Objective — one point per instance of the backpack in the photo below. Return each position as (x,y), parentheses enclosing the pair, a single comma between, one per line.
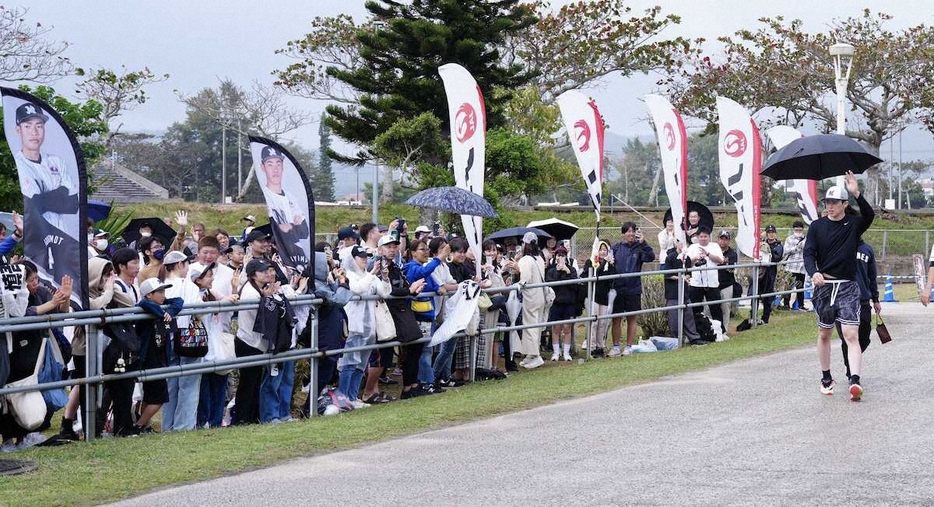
(333,398)
(704,327)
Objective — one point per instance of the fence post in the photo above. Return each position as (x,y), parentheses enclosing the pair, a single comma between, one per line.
(681,308)
(92,369)
(591,293)
(927,241)
(313,386)
(754,302)
(885,242)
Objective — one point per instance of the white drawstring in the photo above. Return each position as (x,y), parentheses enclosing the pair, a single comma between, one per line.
(835,288)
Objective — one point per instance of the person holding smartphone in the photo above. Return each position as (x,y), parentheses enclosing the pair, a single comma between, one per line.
(567,302)
(628,257)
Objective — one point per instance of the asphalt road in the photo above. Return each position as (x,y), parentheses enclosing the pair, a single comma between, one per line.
(754,432)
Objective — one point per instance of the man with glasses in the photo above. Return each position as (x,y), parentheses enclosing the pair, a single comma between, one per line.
(829,260)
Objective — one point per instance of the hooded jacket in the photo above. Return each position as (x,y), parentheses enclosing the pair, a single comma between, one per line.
(330,311)
(629,258)
(361,314)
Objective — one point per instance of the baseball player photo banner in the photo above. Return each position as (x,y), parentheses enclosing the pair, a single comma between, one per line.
(53,181)
(740,150)
(805,191)
(673,149)
(585,129)
(289,201)
(468,142)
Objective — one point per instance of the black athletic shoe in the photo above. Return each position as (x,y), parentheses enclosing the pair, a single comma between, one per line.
(598,352)
(447,383)
(511,366)
(386,380)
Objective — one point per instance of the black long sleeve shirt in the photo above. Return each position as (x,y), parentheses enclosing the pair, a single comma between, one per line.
(831,245)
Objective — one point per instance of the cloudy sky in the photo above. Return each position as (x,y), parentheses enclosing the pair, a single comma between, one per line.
(198,43)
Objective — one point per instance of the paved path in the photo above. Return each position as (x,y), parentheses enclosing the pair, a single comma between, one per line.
(755,432)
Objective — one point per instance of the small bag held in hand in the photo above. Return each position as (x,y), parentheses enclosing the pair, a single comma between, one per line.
(882,331)
(385,327)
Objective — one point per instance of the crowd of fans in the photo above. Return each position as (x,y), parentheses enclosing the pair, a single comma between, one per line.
(164,275)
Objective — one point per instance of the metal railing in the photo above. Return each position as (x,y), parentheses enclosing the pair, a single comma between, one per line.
(92,319)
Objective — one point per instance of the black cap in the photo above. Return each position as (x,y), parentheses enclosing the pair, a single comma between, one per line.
(29,110)
(347,232)
(359,251)
(270,152)
(770,228)
(256,265)
(256,235)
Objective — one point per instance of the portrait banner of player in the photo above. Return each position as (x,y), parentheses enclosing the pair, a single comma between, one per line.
(289,202)
(53,181)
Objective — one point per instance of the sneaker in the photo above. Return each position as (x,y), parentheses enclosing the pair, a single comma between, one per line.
(432,388)
(826,386)
(415,392)
(8,446)
(511,366)
(446,383)
(357,404)
(36,438)
(628,350)
(856,392)
(598,352)
(567,357)
(68,432)
(616,352)
(386,380)
(535,362)
(555,357)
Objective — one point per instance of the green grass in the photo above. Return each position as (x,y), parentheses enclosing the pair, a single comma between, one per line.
(107,470)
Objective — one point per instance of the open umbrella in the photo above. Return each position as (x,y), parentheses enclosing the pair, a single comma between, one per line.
(159,230)
(518,232)
(706,217)
(97,210)
(454,200)
(557,228)
(818,157)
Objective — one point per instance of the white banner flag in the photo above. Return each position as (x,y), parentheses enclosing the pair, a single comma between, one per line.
(740,162)
(468,142)
(673,149)
(805,191)
(585,129)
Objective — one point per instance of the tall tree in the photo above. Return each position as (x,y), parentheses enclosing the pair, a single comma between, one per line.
(398,76)
(117,92)
(28,55)
(324,175)
(784,72)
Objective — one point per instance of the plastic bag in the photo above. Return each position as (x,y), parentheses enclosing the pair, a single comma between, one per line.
(665,342)
(644,346)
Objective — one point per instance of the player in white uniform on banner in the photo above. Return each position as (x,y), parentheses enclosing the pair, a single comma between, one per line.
(289,224)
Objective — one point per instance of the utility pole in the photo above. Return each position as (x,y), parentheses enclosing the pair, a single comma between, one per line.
(239,159)
(224,164)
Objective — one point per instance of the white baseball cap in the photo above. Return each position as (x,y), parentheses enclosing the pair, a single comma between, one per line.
(422,228)
(152,285)
(387,239)
(837,193)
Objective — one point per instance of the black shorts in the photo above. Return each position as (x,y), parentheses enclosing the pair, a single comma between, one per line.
(155,392)
(845,307)
(627,303)
(562,312)
(380,358)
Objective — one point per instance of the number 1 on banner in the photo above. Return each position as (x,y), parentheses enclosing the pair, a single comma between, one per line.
(51,260)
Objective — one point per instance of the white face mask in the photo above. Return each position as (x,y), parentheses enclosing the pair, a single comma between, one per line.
(145,234)
(799,235)
(102,244)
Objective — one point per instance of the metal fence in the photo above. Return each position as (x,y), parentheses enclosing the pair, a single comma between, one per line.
(92,319)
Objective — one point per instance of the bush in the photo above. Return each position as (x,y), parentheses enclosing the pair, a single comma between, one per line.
(653,296)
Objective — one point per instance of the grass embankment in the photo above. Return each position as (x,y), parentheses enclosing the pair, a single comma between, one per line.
(106,470)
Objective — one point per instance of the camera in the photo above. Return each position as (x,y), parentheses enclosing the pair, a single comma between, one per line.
(435,228)
(401,222)
(700,262)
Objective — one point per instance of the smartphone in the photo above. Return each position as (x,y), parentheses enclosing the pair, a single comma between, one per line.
(435,228)
(395,234)
(401,222)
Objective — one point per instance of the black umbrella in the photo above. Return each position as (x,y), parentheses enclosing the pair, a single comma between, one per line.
(518,232)
(706,217)
(818,157)
(159,230)
(557,228)
(454,200)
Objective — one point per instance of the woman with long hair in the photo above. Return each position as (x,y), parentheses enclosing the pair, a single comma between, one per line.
(532,271)
(261,282)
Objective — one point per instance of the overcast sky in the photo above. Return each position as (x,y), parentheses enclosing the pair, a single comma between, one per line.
(200,42)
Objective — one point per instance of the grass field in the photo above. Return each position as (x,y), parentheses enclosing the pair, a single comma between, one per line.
(107,470)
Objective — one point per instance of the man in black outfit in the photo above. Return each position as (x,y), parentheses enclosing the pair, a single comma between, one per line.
(829,260)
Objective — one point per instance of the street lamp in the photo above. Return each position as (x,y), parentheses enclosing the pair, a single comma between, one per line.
(843,55)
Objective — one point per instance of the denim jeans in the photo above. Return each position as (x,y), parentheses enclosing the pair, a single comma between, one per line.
(426,375)
(442,365)
(181,412)
(349,382)
(213,400)
(275,393)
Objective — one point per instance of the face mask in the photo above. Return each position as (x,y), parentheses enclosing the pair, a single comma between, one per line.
(158,254)
(102,244)
(799,235)
(90,237)
(145,234)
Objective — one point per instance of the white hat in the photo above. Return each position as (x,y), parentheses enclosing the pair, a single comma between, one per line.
(196,271)
(838,193)
(530,237)
(387,239)
(173,257)
(152,285)
(250,218)
(422,228)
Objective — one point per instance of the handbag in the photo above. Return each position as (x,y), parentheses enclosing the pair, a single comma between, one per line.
(484,302)
(882,331)
(52,369)
(192,342)
(28,408)
(549,292)
(385,327)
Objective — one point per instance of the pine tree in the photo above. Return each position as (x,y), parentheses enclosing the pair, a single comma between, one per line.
(399,79)
(324,176)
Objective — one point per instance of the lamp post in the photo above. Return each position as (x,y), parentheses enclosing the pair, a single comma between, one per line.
(843,55)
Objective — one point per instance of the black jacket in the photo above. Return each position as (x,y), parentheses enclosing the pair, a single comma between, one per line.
(407,328)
